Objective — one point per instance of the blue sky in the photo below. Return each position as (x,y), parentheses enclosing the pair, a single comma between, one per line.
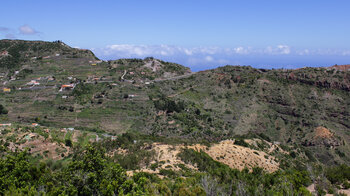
(200,34)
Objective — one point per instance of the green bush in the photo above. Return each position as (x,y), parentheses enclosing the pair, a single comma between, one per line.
(3,110)
(241,142)
(338,174)
(68,142)
(169,105)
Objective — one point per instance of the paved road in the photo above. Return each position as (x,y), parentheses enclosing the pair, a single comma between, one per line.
(123,75)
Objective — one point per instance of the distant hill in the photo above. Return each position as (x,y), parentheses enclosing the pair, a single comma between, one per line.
(13,53)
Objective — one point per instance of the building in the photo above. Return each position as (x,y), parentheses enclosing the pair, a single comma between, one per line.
(30,136)
(95,62)
(4,53)
(67,87)
(33,82)
(6,90)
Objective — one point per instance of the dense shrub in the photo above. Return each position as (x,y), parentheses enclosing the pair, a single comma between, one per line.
(3,110)
(169,105)
(256,182)
(89,172)
(338,174)
(241,142)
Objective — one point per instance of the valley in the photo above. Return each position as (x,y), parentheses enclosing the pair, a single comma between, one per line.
(160,120)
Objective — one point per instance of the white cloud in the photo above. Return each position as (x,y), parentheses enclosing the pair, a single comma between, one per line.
(278,50)
(27,30)
(139,50)
(208,50)
(188,52)
(209,58)
(242,50)
(303,52)
(130,50)
(214,56)
(197,55)
(283,49)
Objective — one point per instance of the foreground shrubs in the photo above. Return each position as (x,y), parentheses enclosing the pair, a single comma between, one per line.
(338,174)
(90,172)
(256,182)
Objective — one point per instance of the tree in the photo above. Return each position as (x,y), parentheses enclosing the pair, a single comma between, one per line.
(68,142)
(3,110)
(17,172)
(92,173)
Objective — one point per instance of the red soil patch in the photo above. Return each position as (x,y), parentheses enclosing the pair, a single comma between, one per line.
(322,132)
(341,67)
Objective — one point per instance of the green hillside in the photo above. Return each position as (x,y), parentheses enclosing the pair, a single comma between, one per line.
(305,113)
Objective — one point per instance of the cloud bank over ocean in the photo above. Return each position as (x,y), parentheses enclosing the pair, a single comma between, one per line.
(199,58)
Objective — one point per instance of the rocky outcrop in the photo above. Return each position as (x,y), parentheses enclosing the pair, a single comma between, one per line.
(322,136)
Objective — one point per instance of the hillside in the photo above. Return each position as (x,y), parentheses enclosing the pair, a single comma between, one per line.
(62,86)
(67,87)
(167,118)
